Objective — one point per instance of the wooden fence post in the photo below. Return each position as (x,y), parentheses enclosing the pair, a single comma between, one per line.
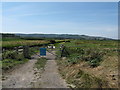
(64,52)
(26,52)
(16,50)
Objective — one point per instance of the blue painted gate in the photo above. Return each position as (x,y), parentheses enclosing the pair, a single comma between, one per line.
(42,51)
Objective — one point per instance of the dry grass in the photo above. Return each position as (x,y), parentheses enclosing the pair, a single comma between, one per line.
(23,42)
(103,76)
(77,69)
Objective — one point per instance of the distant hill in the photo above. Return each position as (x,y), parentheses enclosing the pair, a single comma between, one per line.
(62,36)
(9,37)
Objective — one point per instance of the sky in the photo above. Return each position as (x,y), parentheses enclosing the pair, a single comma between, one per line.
(83,18)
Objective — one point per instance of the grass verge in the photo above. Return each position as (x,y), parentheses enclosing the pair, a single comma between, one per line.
(8,64)
(41,63)
(78,78)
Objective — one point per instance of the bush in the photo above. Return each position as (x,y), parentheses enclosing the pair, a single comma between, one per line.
(94,63)
(52,41)
(11,59)
(9,55)
(20,57)
(93,56)
(79,51)
(12,55)
(73,60)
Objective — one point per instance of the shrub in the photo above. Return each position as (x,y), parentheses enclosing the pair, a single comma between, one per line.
(93,56)
(94,63)
(20,57)
(73,60)
(52,41)
(9,55)
(12,55)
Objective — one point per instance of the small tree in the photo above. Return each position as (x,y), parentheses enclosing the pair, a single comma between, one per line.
(52,41)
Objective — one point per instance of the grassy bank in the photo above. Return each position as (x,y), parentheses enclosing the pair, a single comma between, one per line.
(78,78)
(10,59)
(8,64)
(89,64)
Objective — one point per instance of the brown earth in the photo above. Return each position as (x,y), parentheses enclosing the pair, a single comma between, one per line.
(27,76)
(50,78)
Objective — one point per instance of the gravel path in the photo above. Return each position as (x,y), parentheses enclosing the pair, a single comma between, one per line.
(22,76)
(50,78)
(27,76)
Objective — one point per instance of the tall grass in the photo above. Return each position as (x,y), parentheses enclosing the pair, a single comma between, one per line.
(85,54)
(92,56)
(91,51)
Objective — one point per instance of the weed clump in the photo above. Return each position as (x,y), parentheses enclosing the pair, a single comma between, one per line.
(94,57)
(12,55)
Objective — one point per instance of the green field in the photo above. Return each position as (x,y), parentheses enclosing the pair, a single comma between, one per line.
(93,44)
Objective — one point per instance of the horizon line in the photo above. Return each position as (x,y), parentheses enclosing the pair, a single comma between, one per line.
(58,34)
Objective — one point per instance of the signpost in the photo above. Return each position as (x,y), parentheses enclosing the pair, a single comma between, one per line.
(42,51)
(26,52)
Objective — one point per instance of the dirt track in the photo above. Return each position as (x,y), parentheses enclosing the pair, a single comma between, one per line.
(50,78)
(21,77)
(29,77)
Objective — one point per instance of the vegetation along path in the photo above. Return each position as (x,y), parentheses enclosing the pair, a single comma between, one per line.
(25,76)
(21,76)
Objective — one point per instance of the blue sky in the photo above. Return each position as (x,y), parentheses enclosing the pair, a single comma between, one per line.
(83,18)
